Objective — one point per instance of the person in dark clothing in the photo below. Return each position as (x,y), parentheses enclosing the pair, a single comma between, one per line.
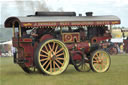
(91,32)
(25,35)
(34,33)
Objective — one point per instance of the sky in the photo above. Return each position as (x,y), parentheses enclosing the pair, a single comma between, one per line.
(98,7)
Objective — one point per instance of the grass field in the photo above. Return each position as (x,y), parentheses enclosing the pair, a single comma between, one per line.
(12,74)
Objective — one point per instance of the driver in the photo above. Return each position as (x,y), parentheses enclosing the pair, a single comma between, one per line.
(34,33)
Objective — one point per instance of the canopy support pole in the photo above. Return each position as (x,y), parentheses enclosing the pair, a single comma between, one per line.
(19,31)
(13,26)
(111,28)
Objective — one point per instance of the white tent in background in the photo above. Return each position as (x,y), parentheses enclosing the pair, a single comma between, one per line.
(117,40)
(7,42)
(8,45)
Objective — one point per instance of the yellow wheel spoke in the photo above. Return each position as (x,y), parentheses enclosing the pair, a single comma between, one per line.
(96,58)
(49,47)
(60,58)
(44,51)
(59,62)
(100,54)
(59,50)
(96,55)
(43,59)
(45,63)
(50,66)
(104,57)
(54,66)
(98,66)
(105,62)
(57,65)
(46,48)
(53,46)
(43,55)
(56,48)
(102,65)
(103,54)
(99,58)
(59,54)
(95,61)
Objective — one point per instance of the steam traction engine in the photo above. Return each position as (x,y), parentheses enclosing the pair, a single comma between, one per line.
(62,39)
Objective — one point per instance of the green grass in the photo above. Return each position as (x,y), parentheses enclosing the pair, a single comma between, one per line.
(12,74)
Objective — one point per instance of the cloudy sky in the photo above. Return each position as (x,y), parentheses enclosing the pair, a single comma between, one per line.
(99,7)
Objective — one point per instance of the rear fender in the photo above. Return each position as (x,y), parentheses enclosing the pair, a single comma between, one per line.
(46,36)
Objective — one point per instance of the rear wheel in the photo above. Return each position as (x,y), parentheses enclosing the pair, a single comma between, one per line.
(52,57)
(100,61)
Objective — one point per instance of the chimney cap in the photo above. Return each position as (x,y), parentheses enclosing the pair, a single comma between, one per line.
(89,13)
(80,14)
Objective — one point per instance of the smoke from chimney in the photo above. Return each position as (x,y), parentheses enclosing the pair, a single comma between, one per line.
(21,8)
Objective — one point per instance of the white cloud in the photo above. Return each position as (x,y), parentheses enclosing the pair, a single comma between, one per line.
(16,0)
(120,3)
(68,3)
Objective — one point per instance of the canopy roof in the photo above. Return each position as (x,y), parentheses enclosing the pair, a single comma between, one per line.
(39,21)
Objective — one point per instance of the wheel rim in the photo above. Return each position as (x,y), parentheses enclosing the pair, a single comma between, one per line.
(53,57)
(100,61)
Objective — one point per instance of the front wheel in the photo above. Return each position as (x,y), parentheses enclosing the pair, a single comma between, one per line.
(100,61)
(51,57)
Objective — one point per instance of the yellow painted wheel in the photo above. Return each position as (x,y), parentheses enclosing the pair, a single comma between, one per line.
(100,61)
(52,57)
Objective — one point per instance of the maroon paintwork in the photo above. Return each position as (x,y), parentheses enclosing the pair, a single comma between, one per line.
(40,24)
(25,50)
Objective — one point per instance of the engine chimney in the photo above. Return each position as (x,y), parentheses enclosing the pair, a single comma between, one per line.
(80,14)
(89,13)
